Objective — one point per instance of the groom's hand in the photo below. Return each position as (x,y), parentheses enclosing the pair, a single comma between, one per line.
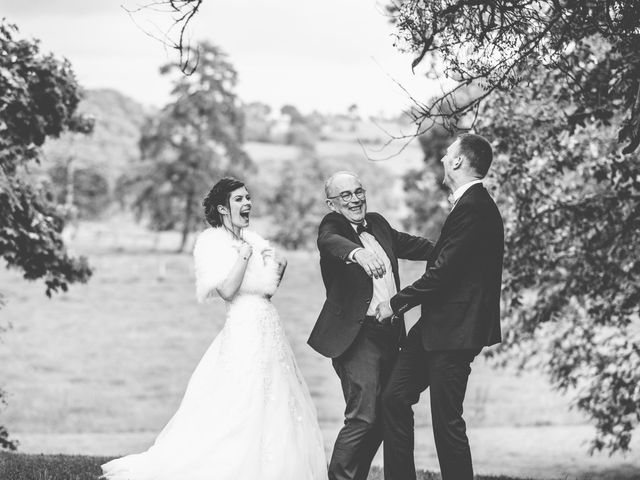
(383,311)
(371,263)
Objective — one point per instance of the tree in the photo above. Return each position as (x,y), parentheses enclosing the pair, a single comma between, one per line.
(82,191)
(258,123)
(572,266)
(38,99)
(189,145)
(298,203)
(493,44)
(109,151)
(425,194)
(295,117)
(560,81)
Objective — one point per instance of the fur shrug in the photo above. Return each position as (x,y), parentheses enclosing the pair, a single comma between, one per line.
(216,251)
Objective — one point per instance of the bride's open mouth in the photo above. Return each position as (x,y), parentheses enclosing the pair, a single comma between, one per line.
(245,214)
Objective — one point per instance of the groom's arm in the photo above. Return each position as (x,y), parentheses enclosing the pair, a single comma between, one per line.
(465,229)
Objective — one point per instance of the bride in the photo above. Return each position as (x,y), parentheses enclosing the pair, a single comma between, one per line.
(246,413)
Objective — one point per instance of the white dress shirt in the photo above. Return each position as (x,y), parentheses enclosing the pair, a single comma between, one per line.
(461,189)
(385,287)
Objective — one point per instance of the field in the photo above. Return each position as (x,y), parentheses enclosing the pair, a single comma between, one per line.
(64,467)
(100,369)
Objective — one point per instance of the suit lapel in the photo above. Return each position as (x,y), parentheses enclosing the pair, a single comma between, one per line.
(349,231)
(476,189)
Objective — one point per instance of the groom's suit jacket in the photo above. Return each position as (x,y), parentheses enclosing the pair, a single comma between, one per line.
(349,289)
(460,289)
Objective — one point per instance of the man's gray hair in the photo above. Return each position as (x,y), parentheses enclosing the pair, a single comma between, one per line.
(329,181)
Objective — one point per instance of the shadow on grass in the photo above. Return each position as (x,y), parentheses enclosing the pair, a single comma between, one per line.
(16,466)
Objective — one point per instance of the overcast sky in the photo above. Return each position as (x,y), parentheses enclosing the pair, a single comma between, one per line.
(323,55)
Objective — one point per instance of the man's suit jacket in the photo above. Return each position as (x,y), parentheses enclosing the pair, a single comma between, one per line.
(349,289)
(460,289)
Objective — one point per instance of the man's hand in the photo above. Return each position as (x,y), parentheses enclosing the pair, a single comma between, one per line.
(383,311)
(371,263)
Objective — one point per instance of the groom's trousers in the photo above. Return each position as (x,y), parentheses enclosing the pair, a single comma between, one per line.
(446,373)
(363,370)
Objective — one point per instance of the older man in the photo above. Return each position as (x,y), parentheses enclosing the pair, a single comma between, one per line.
(359,254)
(460,298)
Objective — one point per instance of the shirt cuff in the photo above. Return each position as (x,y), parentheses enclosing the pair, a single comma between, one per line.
(351,256)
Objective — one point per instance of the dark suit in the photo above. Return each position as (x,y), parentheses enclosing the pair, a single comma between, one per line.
(362,350)
(460,297)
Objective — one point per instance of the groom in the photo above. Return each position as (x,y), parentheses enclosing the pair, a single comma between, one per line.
(359,254)
(460,297)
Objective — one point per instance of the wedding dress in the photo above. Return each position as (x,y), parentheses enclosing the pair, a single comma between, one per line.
(247,413)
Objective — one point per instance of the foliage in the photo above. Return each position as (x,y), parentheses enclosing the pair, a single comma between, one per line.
(425,194)
(38,99)
(495,43)
(258,125)
(300,135)
(113,144)
(303,130)
(559,82)
(571,288)
(298,204)
(5,442)
(293,113)
(95,161)
(189,145)
(85,191)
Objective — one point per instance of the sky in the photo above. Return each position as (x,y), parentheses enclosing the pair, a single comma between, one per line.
(315,55)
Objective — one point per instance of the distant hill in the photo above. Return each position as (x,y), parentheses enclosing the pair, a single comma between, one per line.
(113,145)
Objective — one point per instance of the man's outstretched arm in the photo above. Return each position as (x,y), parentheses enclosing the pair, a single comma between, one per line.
(332,242)
(465,230)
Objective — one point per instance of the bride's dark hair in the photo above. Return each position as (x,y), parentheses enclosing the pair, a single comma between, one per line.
(219,195)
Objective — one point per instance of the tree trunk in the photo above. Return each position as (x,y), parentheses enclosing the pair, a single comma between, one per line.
(186,225)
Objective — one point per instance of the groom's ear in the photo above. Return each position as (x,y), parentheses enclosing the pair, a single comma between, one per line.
(457,162)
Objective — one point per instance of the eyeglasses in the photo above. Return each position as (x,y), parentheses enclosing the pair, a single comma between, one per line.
(348,196)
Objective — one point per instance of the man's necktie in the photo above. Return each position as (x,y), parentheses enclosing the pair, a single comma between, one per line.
(362,227)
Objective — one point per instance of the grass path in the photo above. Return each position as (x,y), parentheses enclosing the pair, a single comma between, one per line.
(77,467)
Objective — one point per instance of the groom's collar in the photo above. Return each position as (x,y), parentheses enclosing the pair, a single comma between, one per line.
(463,188)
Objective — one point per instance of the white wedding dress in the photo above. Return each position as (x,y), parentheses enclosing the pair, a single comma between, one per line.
(246,413)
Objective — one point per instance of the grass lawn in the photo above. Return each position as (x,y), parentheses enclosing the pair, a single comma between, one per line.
(78,467)
(100,369)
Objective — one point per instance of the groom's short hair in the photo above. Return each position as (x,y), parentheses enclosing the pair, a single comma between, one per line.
(477,150)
